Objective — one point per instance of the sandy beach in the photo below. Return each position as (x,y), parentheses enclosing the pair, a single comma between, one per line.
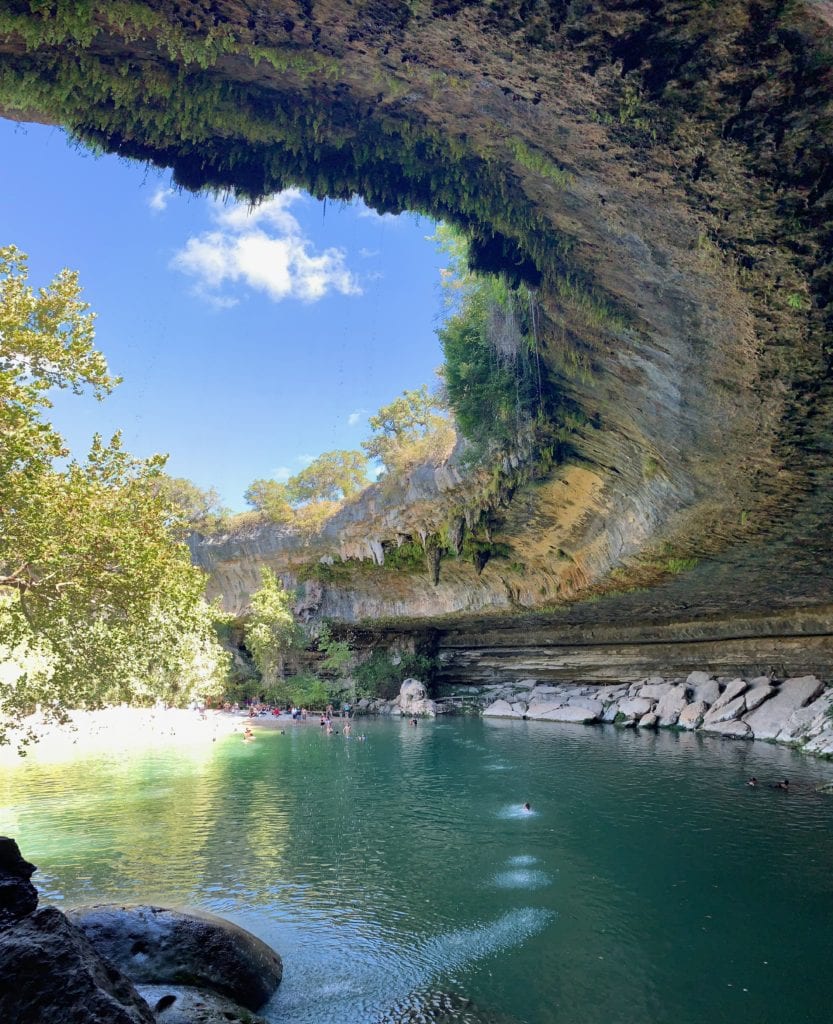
(121,729)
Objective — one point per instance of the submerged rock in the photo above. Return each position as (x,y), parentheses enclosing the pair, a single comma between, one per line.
(178,1004)
(52,975)
(157,945)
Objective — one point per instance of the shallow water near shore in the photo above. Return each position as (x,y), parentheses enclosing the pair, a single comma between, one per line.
(649,883)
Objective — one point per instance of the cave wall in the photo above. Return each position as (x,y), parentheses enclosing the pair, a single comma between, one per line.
(659,172)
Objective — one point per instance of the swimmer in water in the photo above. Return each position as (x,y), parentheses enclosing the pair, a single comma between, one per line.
(752,782)
(527,808)
(782,785)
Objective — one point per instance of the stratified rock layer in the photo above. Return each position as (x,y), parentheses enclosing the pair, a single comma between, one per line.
(658,174)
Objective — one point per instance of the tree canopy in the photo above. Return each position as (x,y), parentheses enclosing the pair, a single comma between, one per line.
(333,475)
(271,629)
(92,579)
(412,428)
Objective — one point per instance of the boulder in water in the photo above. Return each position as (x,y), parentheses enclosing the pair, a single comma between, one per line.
(178,1004)
(159,945)
(50,973)
(18,897)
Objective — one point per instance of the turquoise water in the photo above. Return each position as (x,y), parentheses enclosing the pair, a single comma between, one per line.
(648,885)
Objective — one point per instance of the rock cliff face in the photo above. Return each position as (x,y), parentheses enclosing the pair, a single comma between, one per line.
(659,171)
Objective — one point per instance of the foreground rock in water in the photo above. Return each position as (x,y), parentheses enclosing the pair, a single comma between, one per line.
(797,711)
(177,1004)
(18,896)
(50,974)
(156,945)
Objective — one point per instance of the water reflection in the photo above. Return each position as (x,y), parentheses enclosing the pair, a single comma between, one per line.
(401,876)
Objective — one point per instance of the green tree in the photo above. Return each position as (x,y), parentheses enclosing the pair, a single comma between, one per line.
(338,654)
(271,498)
(271,630)
(199,508)
(330,477)
(94,585)
(411,428)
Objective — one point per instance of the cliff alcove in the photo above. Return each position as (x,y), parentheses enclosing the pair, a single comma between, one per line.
(659,172)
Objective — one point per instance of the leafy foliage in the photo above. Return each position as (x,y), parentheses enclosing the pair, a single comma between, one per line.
(412,428)
(271,498)
(200,509)
(338,654)
(381,675)
(309,498)
(94,581)
(271,630)
(331,476)
(492,372)
(304,691)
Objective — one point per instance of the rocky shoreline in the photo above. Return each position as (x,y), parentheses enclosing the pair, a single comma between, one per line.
(796,711)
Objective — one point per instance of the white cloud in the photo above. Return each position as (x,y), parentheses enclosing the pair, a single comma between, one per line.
(281,474)
(366,213)
(304,460)
(355,416)
(368,254)
(264,248)
(159,200)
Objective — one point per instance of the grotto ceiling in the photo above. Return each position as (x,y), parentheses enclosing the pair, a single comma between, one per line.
(659,172)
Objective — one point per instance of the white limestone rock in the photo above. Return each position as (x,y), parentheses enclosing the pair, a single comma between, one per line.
(655,690)
(698,678)
(670,706)
(772,716)
(709,691)
(570,713)
(608,693)
(500,709)
(725,713)
(587,703)
(734,688)
(633,708)
(759,681)
(543,690)
(691,717)
(756,695)
(520,706)
(807,722)
(540,708)
(737,730)
(649,721)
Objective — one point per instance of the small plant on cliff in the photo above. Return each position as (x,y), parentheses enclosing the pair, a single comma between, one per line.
(337,653)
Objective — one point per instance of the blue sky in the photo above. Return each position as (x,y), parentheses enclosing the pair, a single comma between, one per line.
(248,341)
